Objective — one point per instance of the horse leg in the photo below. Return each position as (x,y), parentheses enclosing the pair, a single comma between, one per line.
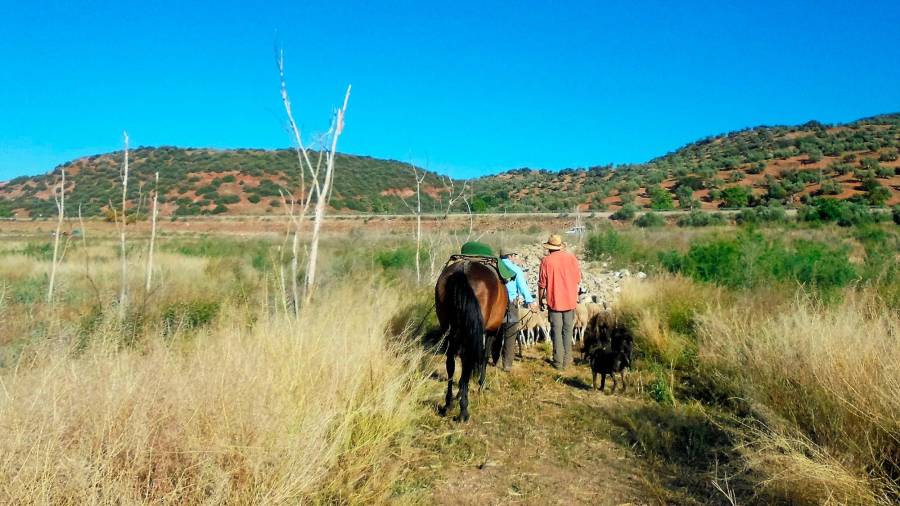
(464,390)
(602,381)
(594,381)
(615,383)
(622,374)
(451,370)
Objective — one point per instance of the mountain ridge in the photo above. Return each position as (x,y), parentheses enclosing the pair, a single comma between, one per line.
(762,165)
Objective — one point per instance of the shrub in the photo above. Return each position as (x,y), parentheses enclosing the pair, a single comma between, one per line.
(396,259)
(888,156)
(661,199)
(751,260)
(736,196)
(762,214)
(228,199)
(650,220)
(757,168)
(189,315)
(896,214)
(844,213)
(625,213)
(831,187)
(878,195)
(611,245)
(698,218)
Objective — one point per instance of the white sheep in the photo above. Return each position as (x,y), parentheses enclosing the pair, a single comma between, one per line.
(582,317)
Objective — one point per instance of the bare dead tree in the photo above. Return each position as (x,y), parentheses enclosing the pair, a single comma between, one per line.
(324,196)
(320,185)
(59,196)
(153,215)
(123,222)
(452,197)
(417,211)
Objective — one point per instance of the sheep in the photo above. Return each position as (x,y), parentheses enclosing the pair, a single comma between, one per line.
(532,325)
(582,316)
(536,324)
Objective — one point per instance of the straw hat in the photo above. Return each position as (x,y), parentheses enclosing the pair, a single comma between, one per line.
(554,242)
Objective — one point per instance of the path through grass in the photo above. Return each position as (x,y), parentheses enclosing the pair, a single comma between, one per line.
(539,437)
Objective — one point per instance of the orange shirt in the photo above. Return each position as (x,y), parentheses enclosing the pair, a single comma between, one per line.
(560,276)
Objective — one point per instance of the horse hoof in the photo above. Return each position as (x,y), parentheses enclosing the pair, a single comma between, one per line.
(462,418)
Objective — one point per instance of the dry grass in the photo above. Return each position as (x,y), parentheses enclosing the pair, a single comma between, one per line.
(253,408)
(661,313)
(829,377)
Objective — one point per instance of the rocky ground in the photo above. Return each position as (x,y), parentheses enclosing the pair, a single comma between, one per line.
(599,283)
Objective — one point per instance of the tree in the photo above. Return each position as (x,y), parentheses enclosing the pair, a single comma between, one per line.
(660,199)
(625,213)
(417,211)
(876,193)
(320,185)
(650,220)
(60,197)
(685,197)
(814,155)
(736,196)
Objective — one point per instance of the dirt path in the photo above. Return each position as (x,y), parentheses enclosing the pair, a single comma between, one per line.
(540,437)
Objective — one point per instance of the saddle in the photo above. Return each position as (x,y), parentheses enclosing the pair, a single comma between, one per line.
(483,254)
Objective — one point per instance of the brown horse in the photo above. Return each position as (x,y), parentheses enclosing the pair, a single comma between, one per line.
(470,301)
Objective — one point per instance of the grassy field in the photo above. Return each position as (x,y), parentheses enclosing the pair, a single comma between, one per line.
(767,372)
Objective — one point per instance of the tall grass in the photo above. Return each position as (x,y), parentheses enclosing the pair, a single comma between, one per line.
(792,336)
(813,387)
(240,404)
(828,379)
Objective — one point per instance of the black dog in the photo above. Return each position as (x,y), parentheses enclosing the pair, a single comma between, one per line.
(608,345)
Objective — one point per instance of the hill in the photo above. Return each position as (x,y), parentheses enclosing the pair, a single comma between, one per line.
(757,166)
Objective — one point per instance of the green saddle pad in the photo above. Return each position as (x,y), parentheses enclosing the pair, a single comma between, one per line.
(475,248)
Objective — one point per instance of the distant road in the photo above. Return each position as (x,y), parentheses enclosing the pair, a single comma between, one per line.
(433,216)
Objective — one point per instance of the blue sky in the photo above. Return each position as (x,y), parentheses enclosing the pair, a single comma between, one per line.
(466,87)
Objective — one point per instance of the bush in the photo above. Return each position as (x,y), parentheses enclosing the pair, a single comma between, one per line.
(752,260)
(189,315)
(896,215)
(878,195)
(661,199)
(625,213)
(228,199)
(650,220)
(396,259)
(611,245)
(831,187)
(698,218)
(762,214)
(843,212)
(736,196)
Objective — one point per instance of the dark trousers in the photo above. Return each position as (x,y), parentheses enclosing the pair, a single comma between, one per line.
(561,326)
(506,344)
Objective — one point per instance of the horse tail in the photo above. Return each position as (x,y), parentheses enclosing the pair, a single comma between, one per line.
(467,322)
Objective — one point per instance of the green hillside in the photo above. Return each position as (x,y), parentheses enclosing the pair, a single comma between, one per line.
(778,165)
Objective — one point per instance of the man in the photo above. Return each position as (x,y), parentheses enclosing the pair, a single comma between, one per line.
(558,287)
(514,288)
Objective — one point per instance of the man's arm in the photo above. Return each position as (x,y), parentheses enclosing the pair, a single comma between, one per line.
(522,286)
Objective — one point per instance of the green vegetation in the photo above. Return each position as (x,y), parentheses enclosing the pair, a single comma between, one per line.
(650,220)
(750,167)
(751,260)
